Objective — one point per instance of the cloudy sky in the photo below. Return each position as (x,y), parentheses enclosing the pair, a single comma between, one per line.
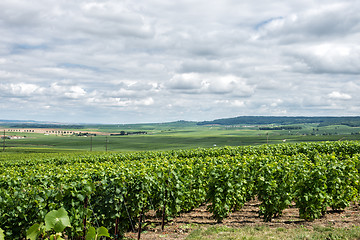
(123,61)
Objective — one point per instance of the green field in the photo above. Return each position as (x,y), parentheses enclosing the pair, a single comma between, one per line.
(174,158)
(177,135)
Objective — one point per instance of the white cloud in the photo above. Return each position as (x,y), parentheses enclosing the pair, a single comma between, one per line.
(192,60)
(111,18)
(211,84)
(340,96)
(120,102)
(75,92)
(230,84)
(235,103)
(20,89)
(330,57)
(66,90)
(187,81)
(146,102)
(314,23)
(276,103)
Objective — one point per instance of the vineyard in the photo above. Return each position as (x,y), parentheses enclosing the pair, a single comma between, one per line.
(115,190)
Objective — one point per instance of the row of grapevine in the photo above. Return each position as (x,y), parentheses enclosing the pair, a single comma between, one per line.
(113,190)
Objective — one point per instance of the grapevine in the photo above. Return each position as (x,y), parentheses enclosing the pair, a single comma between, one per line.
(114,190)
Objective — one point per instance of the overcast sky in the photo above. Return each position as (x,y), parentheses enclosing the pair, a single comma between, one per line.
(123,61)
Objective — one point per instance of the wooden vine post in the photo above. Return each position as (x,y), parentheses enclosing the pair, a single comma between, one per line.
(117,228)
(164,206)
(84,220)
(140,222)
(4,142)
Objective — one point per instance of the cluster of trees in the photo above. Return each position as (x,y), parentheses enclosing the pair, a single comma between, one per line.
(122,133)
(263,120)
(80,134)
(281,128)
(38,125)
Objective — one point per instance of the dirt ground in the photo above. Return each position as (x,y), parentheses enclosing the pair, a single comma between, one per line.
(181,226)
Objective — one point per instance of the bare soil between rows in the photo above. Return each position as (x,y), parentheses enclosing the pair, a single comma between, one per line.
(180,226)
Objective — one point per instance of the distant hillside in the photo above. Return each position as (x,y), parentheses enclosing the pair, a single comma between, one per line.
(265,120)
(241,120)
(36,124)
(2,121)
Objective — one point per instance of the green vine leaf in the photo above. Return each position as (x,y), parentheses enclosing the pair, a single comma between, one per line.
(2,237)
(57,220)
(33,232)
(95,235)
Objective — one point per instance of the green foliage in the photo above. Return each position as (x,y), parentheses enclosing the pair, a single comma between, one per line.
(57,220)
(35,231)
(116,187)
(227,187)
(311,190)
(276,178)
(1,234)
(93,234)
(342,181)
(55,223)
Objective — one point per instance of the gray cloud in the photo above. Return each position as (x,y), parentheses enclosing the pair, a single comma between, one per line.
(333,20)
(211,84)
(338,58)
(120,61)
(202,66)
